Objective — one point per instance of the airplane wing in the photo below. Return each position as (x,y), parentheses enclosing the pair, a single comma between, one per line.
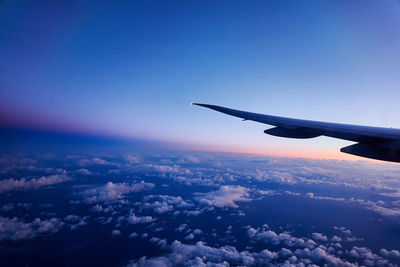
(372,142)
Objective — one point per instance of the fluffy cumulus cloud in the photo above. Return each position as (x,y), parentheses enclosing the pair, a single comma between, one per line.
(390,253)
(342,229)
(113,191)
(160,242)
(292,251)
(27,184)
(367,256)
(319,237)
(10,206)
(225,196)
(16,229)
(201,254)
(92,161)
(74,221)
(164,203)
(115,232)
(269,236)
(133,219)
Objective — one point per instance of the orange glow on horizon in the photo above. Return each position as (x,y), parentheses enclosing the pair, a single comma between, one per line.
(287,153)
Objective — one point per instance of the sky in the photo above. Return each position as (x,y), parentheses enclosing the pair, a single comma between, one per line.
(131,69)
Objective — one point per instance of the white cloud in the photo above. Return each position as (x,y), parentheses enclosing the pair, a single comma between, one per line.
(15,229)
(336,238)
(92,161)
(100,208)
(115,232)
(112,192)
(181,227)
(342,229)
(377,206)
(133,219)
(83,172)
(133,235)
(160,242)
(7,207)
(27,184)
(225,196)
(319,237)
(201,254)
(76,221)
(189,236)
(369,258)
(391,253)
(272,237)
(159,207)
(164,203)
(197,232)
(133,159)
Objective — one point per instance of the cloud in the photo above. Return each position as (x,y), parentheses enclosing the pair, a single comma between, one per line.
(181,227)
(83,172)
(164,203)
(15,229)
(369,258)
(133,235)
(159,207)
(299,252)
(99,208)
(133,159)
(160,242)
(319,237)
(189,236)
(391,253)
(112,192)
(27,184)
(133,219)
(272,237)
(92,161)
(225,196)
(377,206)
(115,232)
(76,221)
(7,207)
(201,254)
(10,206)
(197,232)
(342,229)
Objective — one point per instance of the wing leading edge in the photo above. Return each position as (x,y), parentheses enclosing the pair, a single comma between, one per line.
(372,142)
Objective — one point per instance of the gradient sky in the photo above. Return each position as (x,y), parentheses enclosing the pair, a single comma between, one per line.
(132,68)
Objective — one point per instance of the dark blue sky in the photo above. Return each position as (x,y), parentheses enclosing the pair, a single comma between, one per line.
(132,68)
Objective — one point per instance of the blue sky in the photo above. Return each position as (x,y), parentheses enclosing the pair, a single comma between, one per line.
(131,69)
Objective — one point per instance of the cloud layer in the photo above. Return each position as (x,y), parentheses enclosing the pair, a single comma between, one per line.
(28,184)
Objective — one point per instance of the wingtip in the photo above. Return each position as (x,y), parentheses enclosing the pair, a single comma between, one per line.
(195,104)
(205,105)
